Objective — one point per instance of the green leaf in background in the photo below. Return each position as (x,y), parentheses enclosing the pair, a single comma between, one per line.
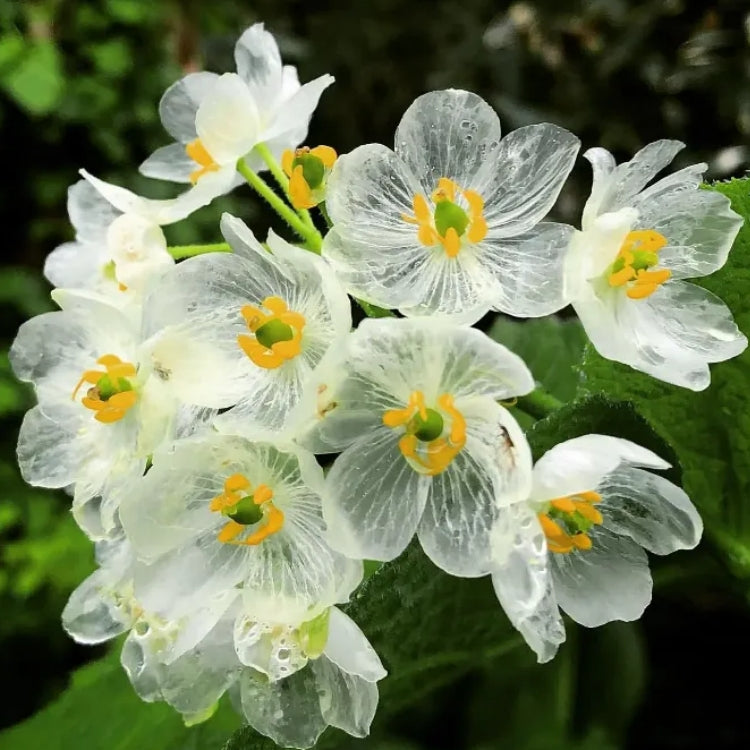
(35,78)
(100,711)
(708,431)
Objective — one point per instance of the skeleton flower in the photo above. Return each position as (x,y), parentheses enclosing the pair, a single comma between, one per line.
(305,678)
(449,222)
(577,543)
(232,512)
(426,447)
(245,329)
(119,245)
(217,120)
(625,270)
(99,414)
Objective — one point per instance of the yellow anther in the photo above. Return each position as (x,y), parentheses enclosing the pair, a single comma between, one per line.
(277,334)
(631,268)
(307,169)
(566,521)
(426,444)
(238,490)
(197,152)
(457,217)
(111,395)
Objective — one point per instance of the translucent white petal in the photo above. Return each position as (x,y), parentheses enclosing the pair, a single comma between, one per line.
(677,331)
(259,62)
(271,648)
(618,189)
(529,269)
(580,464)
(227,120)
(610,581)
(346,700)
(520,182)
(180,102)
(47,455)
(76,264)
(349,649)
(373,499)
(650,510)
(698,224)
(90,212)
(492,470)
(523,582)
(289,711)
(169,163)
(450,133)
(293,115)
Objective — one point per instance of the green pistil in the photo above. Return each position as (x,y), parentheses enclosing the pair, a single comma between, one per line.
(427,429)
(245,512)
(574,523)
(644,259)
(107,388)
(272,332)
(450,216)
(313,635)
(313,169)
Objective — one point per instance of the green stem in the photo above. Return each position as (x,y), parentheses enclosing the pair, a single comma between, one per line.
(324,213)
(539,403)
(278,174)
(188,251)
(311,236)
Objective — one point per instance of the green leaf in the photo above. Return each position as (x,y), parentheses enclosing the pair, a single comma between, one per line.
(100,711)
(35,79)
(551,347)
(708,431)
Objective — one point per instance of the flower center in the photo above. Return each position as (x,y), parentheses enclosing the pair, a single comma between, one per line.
(457,217)
(245,507)
(566,521)
(432,437)
(631,269)
(197,152)
(112,394)
(277,334)
(307,169)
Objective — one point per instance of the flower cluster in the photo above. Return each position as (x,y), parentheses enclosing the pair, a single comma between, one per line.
(183,405)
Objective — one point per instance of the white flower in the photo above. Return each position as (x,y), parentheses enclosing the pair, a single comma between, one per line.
(448,223)
(245,329)
(625,270)
(412,402)
(218,511)
(99,415)
(577,543)
(334,681)
(120,246)
(217,120)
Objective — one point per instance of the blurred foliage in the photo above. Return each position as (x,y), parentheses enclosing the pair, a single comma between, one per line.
(79,86)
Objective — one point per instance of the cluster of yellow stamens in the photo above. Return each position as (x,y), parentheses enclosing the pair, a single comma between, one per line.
(245,506)
(449,224)
(567,519)
(307,169)
(197,152)
(277,334)
(426,445)
(631,268)
(112,393)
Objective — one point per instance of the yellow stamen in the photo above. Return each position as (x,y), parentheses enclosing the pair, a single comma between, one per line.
(273,356)
(326,154)
(299,191)
(451,242)
(197,152)
(318,162)
(430,457)
(237,488)
(637,255)
(112,394)
(573,516)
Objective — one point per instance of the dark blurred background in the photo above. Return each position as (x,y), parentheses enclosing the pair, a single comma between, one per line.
(79,86)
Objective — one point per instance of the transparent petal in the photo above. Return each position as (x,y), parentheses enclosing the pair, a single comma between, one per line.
(349,649)
(450,133)
(373,499)
(180,103)
(90,213)
(259,62)
(292,117)
(76,264)
(47,455)
(529,269)
(169,163)
(652,511)
(610,581)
